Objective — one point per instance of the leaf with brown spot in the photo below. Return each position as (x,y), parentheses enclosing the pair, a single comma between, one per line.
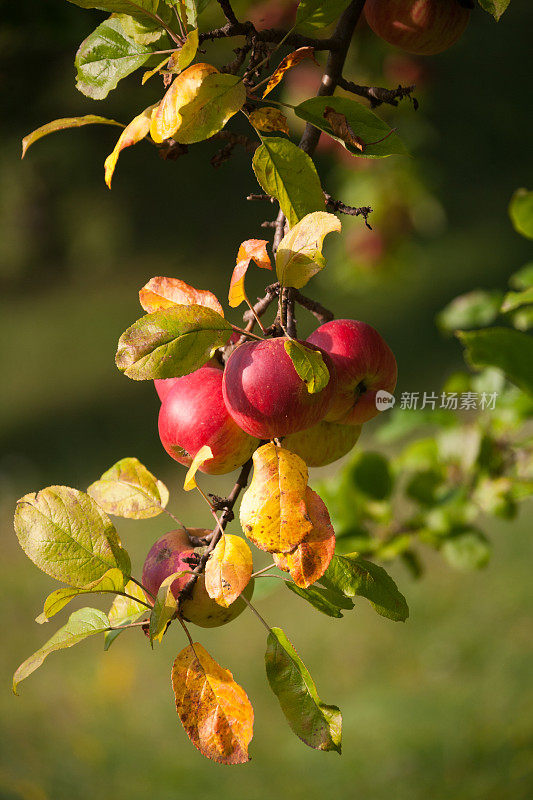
(229,569)
(292,60)
(269,119)
(166,118)
(214,710)
(311,558)
(342,128)
(273,511)
(136,130)
(162,292)
(250,250)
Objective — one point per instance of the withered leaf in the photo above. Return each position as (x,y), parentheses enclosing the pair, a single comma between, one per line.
(288,62)
(250,250)
(163,292)
(214,710)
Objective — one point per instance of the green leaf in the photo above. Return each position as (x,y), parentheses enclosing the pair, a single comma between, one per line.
(144,32)
(112,581)
(299,255)
(171,342)
(124,611)
(288,174)
(424,485)
(66,534)
(467,550)
(363,122)
(370,472)
(129,490)
(315,723)
(353,576)
(219,97)
(506,349)
(319,13)
(521,212)
(81,624)
(107,55)
(309,365)
(188,51)
(514,300)
(193,8)
(523,318)
(140,9)
(471,310)
(165,608)
(494,7)
(324,600)
(522,279)
(63,124)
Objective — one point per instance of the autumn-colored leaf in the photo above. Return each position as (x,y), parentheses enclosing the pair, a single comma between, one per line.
(112,581)
(269,119)
(218,98)
(250,250)
(162,292)
(342,128)
(180,59)
(292,60)
(136,130)
(273,511)
(125,610)
(128,489)
(299,255)
(164,609)
(62,124)
(311,558)
(214,710)
(229,569)
(166,119)
(204,454)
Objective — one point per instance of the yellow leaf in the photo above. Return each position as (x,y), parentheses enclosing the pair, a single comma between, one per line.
(273,510)
(229,569)
(215,711)
(299,255)
(166,118)
(151,72)
(183,57)
(62,124)
(288,62)
(161,293)
(250,250)
(218,98)
(269,119)
(203,455)
(311,558)
(136,130)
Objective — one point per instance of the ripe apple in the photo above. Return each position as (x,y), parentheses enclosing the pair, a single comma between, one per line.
(424,27)
(323,443)
(265,395)
(364,364)
(193,414)
(168,555)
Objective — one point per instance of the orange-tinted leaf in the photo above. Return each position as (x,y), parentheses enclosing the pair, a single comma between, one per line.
(311,558)
(136,130)
(214,710)
(61,124)
(269,119)
(273,510)
(229,569)
(204,454)
(166,118)
(288,62)
(161,293)
(250,250)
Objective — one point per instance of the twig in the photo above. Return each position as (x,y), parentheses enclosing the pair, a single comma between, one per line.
(321,313)
(342,208)
(228,12)
(378,94)
(261,197)
(271,35)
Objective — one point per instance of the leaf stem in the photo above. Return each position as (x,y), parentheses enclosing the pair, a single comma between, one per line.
(257,614)
(265,569)
(246,333)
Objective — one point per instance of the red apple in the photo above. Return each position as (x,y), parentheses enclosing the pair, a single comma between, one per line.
(193,414)
(264,394)
(364,364)
(424,27)
(323,443)
(171,554)
(164,385)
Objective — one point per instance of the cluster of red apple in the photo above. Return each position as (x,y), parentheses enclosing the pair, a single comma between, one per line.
(257,396)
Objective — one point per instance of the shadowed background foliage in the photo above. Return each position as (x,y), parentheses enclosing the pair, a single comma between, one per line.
(441,706)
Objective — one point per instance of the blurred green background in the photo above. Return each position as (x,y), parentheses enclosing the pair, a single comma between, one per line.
(441,706)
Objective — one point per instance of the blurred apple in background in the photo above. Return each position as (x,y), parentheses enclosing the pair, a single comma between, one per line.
(424,27)
(323,443)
